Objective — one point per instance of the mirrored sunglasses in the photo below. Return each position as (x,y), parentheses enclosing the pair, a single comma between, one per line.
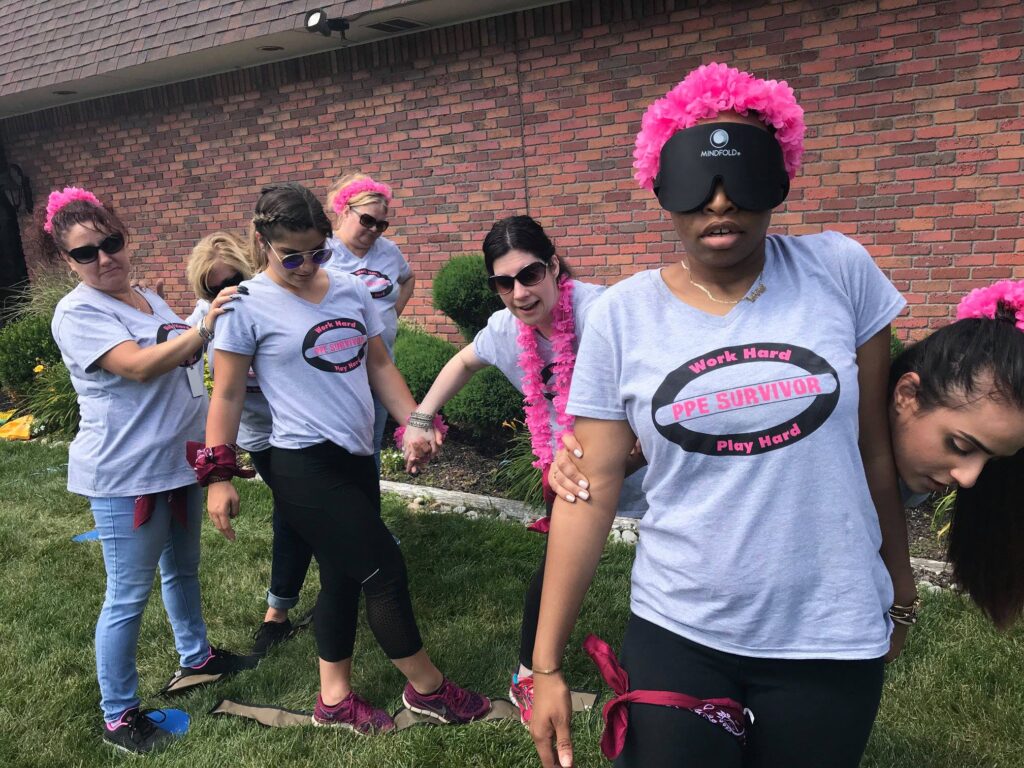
(528,275)
(318,256)
(86,254)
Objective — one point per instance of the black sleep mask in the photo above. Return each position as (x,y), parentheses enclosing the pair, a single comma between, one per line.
(746,159)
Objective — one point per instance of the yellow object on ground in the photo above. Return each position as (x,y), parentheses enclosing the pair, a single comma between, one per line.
(17,429)
(5,415)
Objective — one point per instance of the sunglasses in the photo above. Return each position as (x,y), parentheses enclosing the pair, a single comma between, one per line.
(318,256)
(369,222)
(86,254)
(213,290)
(528,275)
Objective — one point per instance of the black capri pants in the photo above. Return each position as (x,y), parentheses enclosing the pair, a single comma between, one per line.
(332,499)
(807,713)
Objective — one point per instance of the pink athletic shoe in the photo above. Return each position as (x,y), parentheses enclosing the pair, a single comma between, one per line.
(448,704)
(521,693)
(355,713)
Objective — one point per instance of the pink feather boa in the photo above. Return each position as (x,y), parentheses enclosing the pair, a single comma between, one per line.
(349,191)
(563,343)
(984,302)
(708,91)
(58,200)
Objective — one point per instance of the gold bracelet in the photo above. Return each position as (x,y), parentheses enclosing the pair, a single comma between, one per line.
(553,671)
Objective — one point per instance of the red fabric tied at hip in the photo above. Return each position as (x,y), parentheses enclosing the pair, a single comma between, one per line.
(543,524)
(176,499)
(724,712)
(213,464)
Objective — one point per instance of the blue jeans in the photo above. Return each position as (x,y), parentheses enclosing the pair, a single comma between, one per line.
(131,556)
(380,420)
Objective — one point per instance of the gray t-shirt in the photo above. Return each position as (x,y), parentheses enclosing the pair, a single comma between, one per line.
(382,269)
(254,429)
(310,359)
(131,437)
(496,344)
(761,538)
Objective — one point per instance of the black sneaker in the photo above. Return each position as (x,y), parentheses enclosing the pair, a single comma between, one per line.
(137,732)
(220,664)
(270,634)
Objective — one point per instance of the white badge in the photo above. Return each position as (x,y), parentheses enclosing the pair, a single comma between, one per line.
(195,379)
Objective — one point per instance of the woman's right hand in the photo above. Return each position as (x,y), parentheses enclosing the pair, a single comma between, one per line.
(221,304)
(564,477)
(222,505)
(550,721)
(419,447)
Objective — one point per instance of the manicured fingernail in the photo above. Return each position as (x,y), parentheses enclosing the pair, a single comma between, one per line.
(227,309)
(584,484)
(578,453)
(584,495)
(243,289)
(569,497)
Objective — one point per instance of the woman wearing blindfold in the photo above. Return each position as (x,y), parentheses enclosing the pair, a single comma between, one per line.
(314,337)
(219,261)
(533,341)
(754,372)
(360,210)
(137,372)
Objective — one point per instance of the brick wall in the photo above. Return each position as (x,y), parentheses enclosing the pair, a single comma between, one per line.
(914,146)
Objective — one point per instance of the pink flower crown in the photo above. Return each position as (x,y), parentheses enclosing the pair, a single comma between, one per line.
(58,200)
(984,302)
(349,191)
(708,91)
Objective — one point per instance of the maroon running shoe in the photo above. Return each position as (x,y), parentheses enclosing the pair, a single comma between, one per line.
(354,713)
(448,704)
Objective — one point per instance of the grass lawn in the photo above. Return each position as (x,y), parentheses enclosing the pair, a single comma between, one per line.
(955,699)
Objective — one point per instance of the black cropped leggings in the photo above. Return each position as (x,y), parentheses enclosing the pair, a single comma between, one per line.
(813,713)
(332,498)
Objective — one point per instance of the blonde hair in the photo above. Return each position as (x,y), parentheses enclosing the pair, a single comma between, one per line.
(220,246)
(361,198)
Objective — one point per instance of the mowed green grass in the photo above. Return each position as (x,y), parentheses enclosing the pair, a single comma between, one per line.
(955,699)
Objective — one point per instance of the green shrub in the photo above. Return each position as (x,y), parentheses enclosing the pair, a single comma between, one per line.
(420,356)
(516,473)
(25,343)
(486,403)
(896,346)
(461,292)
(52,401)
(47,288)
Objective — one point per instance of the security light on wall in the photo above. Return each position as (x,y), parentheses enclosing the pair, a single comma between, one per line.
(317,21)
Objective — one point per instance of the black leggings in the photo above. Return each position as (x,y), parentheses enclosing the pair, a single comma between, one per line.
(332,498)
(808,713)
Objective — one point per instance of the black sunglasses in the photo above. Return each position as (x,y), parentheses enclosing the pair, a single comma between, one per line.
(86,254)
(370,222)
(213,290)
(531,274)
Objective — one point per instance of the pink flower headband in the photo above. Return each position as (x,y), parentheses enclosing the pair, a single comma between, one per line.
(984,302)
(349,191)
(708,91)
(58,200)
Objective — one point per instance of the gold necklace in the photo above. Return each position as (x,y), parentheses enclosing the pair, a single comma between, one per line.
(751,295)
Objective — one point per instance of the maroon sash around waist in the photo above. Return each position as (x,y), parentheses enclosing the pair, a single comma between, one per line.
(724,712)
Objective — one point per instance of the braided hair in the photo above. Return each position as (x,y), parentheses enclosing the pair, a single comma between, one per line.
(288,206)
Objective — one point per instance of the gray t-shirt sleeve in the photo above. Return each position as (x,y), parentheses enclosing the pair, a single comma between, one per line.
(484,343)
(85,333)
(873,298)
(404,270)
(236,331)
(595,391)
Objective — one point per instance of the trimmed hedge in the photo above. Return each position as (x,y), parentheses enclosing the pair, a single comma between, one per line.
(461,292)
(24,344)
(483,405)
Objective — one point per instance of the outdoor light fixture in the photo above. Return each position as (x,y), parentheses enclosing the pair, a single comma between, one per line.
(317,21)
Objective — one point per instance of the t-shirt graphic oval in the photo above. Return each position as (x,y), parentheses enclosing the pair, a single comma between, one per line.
(746,399)
(335,346)
(171,330)
(380,285)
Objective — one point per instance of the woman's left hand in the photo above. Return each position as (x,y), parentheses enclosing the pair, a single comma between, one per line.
(419,447)
(896,642)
